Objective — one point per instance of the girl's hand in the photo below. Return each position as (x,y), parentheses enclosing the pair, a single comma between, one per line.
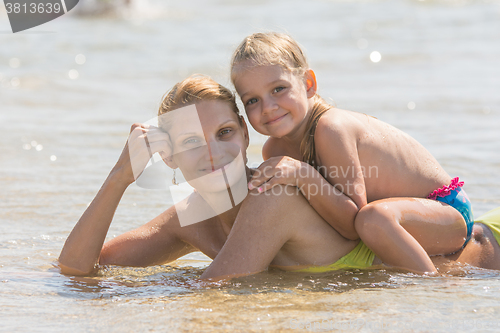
(279,170)
(144,140)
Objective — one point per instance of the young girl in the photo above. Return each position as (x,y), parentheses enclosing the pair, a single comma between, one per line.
(368,179)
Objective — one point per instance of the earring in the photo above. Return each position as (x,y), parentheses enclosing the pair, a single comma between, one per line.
(173,180)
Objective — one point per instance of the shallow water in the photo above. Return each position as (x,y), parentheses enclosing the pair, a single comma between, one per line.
(438,79)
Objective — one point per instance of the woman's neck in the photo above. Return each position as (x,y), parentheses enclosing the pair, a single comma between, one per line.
(226,203)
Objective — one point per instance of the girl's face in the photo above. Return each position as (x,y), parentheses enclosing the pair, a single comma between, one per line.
(276,101)
(206,138)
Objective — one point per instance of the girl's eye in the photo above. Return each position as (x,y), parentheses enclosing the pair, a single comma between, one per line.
(251,101)
(278,89)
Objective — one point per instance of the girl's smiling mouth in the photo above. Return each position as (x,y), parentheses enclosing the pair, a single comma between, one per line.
(275,120)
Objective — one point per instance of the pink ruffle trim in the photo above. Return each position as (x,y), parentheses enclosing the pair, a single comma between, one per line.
(446,189)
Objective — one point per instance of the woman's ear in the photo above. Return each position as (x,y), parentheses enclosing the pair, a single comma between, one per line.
(245,131)
(169,161)
(311,84)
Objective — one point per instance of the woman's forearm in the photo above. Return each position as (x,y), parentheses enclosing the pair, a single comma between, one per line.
(81,251)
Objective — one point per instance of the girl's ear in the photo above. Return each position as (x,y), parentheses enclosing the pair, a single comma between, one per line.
(311,84)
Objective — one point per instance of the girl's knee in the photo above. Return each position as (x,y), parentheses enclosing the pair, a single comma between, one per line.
(373,220)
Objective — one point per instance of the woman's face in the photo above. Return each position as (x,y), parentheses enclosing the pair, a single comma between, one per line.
(206,139)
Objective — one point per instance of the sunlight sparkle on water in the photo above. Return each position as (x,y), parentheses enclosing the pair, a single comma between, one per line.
(73,74)
(362,43)
(80,59)
(375,56)
(411,105)
(15,82)
(14,62)
(53,158)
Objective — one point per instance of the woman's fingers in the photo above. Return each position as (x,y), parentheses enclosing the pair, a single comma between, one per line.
(149,138)
(144,140)
(138,126)
(158,141)
(161,147)
(155,134)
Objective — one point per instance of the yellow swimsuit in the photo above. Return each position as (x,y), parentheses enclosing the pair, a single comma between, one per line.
(362,257)
(492,220)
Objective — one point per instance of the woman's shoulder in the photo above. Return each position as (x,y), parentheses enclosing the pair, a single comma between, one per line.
(273,147)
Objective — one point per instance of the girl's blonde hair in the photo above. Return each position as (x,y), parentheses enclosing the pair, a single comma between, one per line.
(273,48)
(193,89)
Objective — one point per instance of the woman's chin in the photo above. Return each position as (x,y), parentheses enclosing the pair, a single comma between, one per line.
(231,176)
(211,182)
(210,189)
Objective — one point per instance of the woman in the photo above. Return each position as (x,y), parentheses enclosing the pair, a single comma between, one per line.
(286,232)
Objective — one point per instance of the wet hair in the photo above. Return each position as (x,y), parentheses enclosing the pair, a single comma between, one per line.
(273,48)
(192,90)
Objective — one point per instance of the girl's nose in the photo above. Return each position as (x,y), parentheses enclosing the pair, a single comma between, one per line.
(269,105)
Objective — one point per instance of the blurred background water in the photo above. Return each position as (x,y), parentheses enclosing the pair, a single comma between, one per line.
(70,89)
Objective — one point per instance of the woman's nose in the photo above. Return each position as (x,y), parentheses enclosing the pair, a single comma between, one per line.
(215,150)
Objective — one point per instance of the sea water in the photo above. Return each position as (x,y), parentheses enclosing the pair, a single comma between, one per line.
(70,90)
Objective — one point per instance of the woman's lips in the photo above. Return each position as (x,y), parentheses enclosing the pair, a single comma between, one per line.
(212,169)
(275,120)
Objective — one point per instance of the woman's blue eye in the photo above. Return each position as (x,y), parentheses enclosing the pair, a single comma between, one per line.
(251,101)
(278,89)
(191,141)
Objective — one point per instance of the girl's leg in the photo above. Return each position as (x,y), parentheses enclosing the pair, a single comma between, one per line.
(403,232)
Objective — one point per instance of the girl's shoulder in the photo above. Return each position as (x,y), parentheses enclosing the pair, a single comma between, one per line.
(338,122)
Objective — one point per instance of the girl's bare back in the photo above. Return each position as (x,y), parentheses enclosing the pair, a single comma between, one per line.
(393,163)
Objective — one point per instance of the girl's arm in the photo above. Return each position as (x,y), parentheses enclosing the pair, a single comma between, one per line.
(331,204)
(336,150)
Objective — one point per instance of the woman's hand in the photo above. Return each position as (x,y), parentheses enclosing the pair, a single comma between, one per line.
(279,170)
(144,140)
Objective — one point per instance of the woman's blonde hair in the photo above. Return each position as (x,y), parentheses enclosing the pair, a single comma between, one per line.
(193,89)
(273,48)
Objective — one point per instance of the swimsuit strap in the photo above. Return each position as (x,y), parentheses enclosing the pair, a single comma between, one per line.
(446,189)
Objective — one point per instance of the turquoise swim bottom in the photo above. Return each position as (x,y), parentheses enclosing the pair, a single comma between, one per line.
(456,197)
